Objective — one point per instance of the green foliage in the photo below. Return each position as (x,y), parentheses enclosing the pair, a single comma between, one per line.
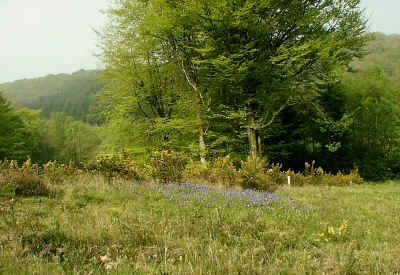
(167,167)
(265,61)
(66,139)
(214,78)
(14,135)
(383,52)
(72,94)
(209,79)
(253,171)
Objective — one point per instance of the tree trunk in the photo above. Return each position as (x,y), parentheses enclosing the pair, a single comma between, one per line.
(193,82)
(202,144)
(260,143)
(252,134)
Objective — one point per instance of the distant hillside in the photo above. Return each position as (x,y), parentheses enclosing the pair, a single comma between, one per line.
(384,52)
(68,93)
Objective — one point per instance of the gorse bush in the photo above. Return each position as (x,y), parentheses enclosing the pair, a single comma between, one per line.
(197,172)
(222,172)
(167,166)
(57,173)
(253,172)
(116,166)
(257,173)
(23,180)
(225,173)
(275,174)
(340,179)
(317,176)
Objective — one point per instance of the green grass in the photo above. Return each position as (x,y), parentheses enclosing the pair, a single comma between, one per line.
(91,227)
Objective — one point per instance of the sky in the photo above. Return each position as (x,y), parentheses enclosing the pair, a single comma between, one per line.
(44,37)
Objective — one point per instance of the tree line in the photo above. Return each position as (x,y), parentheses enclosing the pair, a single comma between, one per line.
(72,94)
(288,81)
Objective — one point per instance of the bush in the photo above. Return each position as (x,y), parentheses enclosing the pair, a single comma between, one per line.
(317,176)
(167,167)
(30,185)
(341,179)
(276,175)
(23,181)
(117,166)
(254,176)
(224,173)
(197,172)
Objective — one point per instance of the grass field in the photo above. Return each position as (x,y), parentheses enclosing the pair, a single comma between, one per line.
(91,227)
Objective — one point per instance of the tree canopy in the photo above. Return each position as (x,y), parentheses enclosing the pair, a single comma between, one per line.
(241,62)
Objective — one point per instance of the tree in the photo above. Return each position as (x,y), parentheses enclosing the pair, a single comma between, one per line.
(373,96)
(266,51)
(242,60)
(66,139)
(13,135)
(146,99)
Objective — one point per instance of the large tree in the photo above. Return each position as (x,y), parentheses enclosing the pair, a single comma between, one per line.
(241,59)
(267,51)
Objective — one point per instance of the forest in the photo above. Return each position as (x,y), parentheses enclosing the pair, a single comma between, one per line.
(180,87)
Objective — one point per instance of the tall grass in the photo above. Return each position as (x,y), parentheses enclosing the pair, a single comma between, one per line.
(97,227)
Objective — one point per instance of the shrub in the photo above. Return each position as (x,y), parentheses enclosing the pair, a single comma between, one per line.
(167,167)
(224,172)
(197,172)
(341,179)
(297,179)
(309,169)
(9,168)
(117,166)
(254,176)
(276,175)
(30,185)
(23,181)
(57,173)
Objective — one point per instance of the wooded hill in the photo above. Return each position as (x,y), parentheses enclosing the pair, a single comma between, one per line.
(384,52)
(71,94)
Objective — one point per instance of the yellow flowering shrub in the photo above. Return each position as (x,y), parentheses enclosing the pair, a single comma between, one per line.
(116,166)
(167,166)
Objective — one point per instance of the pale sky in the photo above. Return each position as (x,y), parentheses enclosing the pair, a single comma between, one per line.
(40,37)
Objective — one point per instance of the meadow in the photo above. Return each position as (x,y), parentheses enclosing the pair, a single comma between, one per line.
(88,225)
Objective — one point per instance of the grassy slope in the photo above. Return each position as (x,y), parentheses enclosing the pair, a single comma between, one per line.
(153,230)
